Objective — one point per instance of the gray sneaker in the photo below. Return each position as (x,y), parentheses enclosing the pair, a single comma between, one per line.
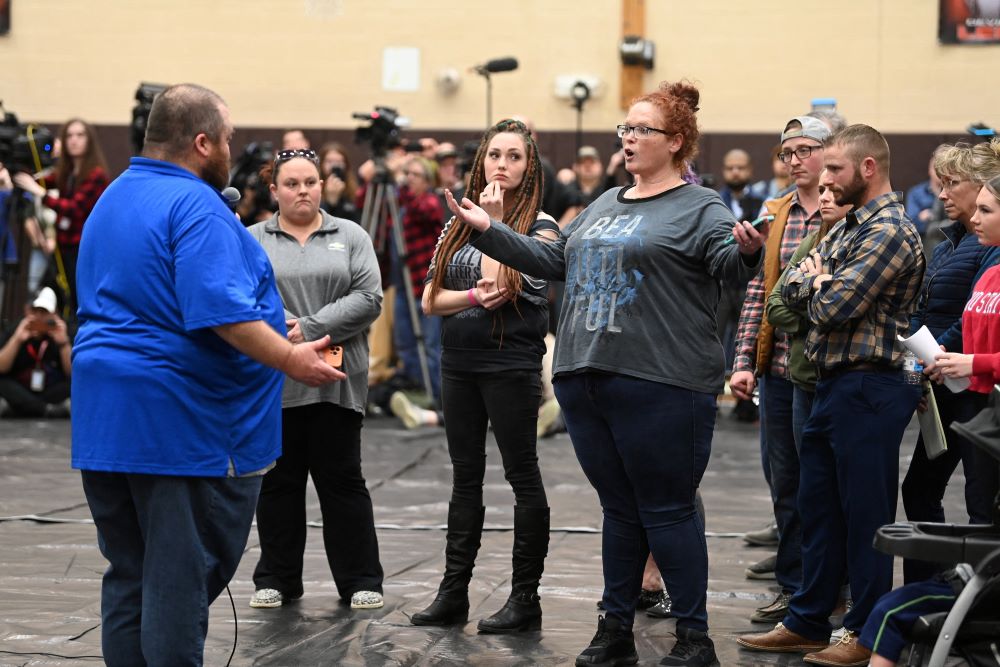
(774,612)
(765,537)
(762,569)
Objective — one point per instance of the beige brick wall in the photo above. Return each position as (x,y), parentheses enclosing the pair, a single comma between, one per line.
(312,62)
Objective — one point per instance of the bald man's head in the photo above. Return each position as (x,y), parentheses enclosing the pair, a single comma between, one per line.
(737,169)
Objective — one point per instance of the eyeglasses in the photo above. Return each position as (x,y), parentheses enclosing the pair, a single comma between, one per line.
(802,152)
(952,183)
(638,130)
(288,154)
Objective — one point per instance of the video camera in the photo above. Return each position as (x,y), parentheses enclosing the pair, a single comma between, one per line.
(382,129)
(246,168)
(144,96)
(24,147)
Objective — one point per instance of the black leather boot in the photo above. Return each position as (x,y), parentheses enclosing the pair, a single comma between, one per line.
(465,529)
(522,611)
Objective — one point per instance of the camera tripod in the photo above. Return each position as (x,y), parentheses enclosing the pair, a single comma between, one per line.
(380,218)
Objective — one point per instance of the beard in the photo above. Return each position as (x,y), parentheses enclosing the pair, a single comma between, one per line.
(852,194)
(216,170)
(737,185)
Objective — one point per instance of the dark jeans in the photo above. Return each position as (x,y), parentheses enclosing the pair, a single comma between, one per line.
(777,413)
(405,341)
(322,440)
(27,403)
(509,401)
(172,543)
(849,464)
(926,480)
(644,446)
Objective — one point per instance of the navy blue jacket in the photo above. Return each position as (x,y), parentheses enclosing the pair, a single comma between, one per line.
(954,269)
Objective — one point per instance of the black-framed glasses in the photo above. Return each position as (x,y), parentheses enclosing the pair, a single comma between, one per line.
(638,130)
(289,153)
(802,152)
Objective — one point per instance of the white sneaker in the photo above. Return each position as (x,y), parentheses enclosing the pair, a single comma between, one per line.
(367,600)
(409,413)
(837,635)
(266,598)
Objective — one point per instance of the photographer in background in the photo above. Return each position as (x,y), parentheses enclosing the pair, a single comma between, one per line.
(340,185)
(35,363)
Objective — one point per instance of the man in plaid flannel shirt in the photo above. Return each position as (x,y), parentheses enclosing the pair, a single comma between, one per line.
(762,351)
(858,287)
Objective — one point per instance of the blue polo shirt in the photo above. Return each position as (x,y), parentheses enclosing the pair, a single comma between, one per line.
(155,390)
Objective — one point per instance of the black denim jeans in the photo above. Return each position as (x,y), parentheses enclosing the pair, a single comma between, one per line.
(509,401)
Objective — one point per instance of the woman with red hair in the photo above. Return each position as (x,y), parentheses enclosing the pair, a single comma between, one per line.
(638,361)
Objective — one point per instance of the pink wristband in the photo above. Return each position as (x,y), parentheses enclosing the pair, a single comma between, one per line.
(471,295)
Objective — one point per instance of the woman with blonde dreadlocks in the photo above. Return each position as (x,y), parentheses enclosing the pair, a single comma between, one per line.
(492,342)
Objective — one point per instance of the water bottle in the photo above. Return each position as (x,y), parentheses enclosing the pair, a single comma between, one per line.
(913,370)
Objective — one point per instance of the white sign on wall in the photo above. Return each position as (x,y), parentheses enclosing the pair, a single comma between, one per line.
(401,69)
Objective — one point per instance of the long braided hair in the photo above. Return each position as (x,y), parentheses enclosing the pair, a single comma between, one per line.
(520,211)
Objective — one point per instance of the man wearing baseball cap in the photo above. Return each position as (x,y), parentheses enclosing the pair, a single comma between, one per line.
(35,362)
(763,352)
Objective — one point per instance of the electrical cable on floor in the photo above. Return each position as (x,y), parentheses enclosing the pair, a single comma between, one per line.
(54,655)
(236,630)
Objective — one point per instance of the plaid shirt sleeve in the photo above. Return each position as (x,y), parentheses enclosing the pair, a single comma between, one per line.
(751,316)
(78,205)
(880,253)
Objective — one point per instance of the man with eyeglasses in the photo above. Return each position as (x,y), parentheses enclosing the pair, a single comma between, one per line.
(762,352)
(177,374)
(858,288)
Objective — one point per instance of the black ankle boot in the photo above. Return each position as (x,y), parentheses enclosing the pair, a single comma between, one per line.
(444,611)
(465,529)
(612,646)
(521,613)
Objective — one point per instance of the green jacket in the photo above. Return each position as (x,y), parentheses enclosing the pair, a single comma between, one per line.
(801,371)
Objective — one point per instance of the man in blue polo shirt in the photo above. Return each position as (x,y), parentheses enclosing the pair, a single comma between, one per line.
(177,373)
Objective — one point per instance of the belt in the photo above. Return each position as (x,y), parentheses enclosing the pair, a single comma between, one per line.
(861,366)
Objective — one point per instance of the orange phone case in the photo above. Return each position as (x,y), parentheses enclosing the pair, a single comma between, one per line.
(334,355)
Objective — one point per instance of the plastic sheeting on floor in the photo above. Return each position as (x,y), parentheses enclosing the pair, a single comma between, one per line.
(50,567)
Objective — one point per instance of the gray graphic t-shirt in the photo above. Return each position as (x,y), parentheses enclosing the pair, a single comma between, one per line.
(642,284)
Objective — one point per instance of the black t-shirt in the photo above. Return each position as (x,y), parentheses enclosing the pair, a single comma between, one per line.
(26,360)
(511,337)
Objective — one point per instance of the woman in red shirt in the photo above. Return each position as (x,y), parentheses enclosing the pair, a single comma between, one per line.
(980,358)
(81,178)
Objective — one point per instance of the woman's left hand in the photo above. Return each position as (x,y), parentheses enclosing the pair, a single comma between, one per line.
(491,201)
(294,332)
(748,239)
(950,365)
(468,212)
(28,184)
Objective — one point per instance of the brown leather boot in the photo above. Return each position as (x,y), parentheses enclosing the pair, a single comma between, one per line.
(845,653)
(781,640)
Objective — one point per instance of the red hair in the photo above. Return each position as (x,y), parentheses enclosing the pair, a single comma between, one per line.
(677,104)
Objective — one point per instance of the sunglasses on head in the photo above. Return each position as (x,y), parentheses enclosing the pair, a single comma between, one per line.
(288,154)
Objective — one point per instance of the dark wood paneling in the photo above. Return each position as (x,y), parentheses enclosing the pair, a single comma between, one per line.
(910,152)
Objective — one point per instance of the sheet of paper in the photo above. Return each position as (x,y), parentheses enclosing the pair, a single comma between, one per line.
(935,443)
(923,345)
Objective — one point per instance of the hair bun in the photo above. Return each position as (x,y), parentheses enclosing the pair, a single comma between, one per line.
(683,90)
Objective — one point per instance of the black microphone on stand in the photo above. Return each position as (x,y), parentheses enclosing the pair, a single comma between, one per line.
(492,67)
(496,65)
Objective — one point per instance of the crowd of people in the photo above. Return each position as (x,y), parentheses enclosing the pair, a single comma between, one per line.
(263,337)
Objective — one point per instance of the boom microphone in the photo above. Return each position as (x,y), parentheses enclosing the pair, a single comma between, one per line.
(496,65)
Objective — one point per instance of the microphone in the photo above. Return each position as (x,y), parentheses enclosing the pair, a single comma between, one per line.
(232,197)
(496,65)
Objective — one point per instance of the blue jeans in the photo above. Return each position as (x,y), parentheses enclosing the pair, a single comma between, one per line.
(777,414)
(172,544)
(849,466)
(406,343)
(644,446)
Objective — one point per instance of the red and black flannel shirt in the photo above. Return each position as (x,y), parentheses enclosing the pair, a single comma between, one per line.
(423,219)
(73,207)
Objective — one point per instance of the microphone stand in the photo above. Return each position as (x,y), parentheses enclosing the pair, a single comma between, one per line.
(485,73)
